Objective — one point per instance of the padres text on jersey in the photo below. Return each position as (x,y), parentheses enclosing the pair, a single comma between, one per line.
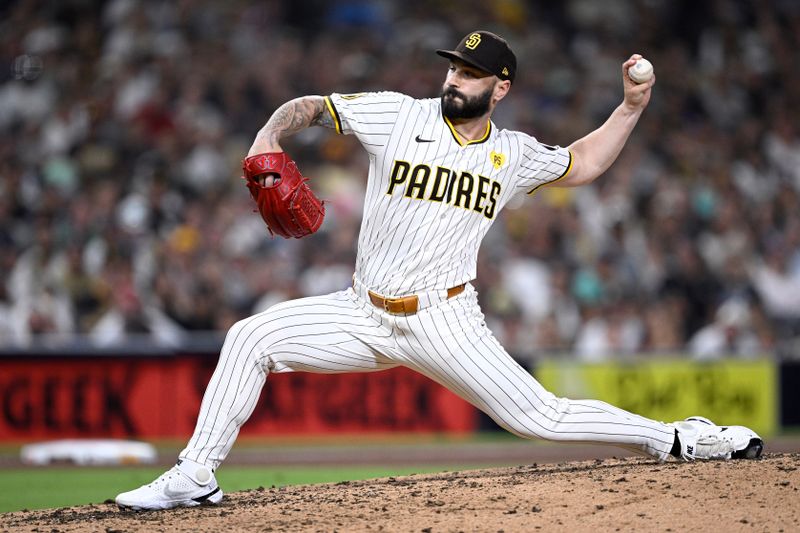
(432,196)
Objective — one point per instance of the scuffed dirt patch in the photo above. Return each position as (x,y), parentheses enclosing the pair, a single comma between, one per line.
(601,495)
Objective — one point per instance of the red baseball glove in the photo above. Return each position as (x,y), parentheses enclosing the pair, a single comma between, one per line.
(288,206)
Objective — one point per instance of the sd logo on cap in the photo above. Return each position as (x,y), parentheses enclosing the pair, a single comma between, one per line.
(493,55)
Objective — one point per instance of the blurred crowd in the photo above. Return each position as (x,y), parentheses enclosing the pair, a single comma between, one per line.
(123,124)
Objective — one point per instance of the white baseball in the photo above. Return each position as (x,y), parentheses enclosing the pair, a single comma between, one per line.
(641,71)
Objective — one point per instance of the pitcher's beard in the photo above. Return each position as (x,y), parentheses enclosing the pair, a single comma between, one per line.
(456,105)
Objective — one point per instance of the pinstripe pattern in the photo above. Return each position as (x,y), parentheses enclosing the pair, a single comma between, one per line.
(329,334)
(435,244)
(447,342)
(412,244)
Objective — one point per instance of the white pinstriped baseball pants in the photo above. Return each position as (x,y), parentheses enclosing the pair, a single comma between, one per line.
(447,342)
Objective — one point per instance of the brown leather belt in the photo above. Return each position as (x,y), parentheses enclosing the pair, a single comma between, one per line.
(407,305)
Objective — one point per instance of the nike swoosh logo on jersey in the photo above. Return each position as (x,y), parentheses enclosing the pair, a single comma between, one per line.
(420,140)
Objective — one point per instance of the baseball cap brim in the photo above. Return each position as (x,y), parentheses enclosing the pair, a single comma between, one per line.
(455,54)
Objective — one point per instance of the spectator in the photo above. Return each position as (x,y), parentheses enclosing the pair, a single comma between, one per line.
(730,333)
(779,289)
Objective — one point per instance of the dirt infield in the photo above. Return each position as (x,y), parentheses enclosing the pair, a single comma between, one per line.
(600,495)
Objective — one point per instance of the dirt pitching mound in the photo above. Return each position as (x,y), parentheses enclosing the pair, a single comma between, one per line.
(602,495)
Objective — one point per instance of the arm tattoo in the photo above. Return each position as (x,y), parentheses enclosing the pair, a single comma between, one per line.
(296,115)
(324,118)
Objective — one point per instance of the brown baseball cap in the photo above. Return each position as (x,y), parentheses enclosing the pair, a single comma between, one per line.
(486,51)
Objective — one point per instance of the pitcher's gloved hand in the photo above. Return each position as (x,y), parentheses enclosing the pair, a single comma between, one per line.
(285,202)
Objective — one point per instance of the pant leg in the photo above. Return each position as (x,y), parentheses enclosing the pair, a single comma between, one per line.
(451,344)
(324,334)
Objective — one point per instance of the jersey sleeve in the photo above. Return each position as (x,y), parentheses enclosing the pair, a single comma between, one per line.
(540,164)
(369,116)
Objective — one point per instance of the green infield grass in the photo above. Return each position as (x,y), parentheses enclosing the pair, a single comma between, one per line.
(49,487)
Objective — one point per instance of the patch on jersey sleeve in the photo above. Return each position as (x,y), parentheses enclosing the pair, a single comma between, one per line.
(498,160)
(352,96)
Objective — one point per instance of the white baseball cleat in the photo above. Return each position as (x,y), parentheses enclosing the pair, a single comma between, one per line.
(186,484)
(700,438)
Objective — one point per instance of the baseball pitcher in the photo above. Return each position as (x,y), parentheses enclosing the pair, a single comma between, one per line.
(440,172)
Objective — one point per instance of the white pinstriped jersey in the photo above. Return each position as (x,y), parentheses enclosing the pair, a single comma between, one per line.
(431,196)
